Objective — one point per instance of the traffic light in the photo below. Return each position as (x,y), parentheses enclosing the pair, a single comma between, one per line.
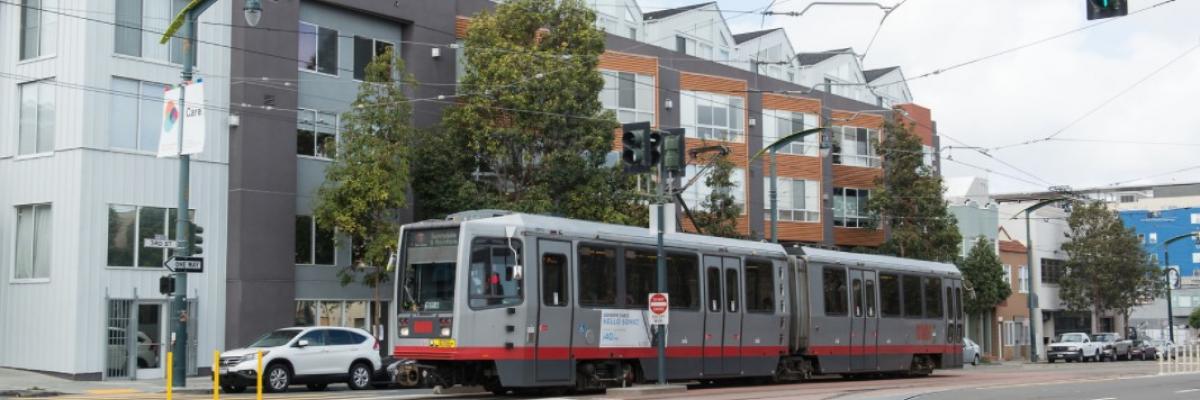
(673,149)
(654,143)
(1100,9)
(635,145)
(196,244)
(166,284)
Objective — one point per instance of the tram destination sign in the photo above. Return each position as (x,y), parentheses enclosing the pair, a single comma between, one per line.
(185,264)
(660,309)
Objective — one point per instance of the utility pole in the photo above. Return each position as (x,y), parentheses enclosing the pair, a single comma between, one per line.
(1032,297)
(663,181)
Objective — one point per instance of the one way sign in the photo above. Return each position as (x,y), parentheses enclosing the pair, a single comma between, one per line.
(185,264)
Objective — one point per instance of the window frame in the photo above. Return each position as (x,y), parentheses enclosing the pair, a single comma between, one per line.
(870,159)
(898,298)
(374,51)
(41,9)
(317,51)
(613,78)
(691,104)
(312,243)
(492,243)
(615,265)
(920,296)
(765,268)
(33,244)
(168,232)
(861,217)
(787,206)
(175,47)
(844,292)
(316,133)
(932,285)
(563,282)
(138,99)
(774,119)
(694,290)
(695,194)
(1023,279)
(39,85)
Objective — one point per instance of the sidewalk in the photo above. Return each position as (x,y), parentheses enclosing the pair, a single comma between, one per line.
(24,383)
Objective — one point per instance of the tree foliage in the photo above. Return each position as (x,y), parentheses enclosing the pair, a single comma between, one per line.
(981,269)
(908,200)
(719,210)
(366,185)
(1194,319)
(1107,268)
(528,132)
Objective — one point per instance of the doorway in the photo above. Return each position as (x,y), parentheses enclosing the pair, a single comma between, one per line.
(148,332)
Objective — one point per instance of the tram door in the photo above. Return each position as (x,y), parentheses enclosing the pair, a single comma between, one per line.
(714,315)
(731,351)
(954,330)
(864,321)
(553,363)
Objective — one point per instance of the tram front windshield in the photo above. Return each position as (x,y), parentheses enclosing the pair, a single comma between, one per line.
(428,275)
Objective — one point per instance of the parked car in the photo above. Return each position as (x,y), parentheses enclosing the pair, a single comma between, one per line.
(970,351)
(1073,347)
(1143,350)
(315,356)
(1114,347)
(1163,347)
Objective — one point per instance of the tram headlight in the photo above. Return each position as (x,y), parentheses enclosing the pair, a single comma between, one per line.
(445,331)
(404,331)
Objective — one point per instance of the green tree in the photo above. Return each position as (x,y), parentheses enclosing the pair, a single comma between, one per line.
(981,269)
(1194,319)
(366,185)
(1107,268)
(528,132)
(719,210)
(908,200)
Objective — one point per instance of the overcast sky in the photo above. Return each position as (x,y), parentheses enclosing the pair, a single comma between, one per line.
(1033,92)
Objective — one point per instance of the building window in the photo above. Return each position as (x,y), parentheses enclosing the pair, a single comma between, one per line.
(850,207)
(710,116)
(629,95)
(1195,218)
(1008,271)
(1153,237)
(1052,270)
(799,200)
(139,25)
(855,146)
(779,123)
(1127,198)
(37,118)
(318,49)
(1023,279)
(349,313)
(1195,258)
(315,245)
(136,114)
(365,51)
(316,133)
(34,241)
(129,227)
(39,29)
(927,155)
(695,195)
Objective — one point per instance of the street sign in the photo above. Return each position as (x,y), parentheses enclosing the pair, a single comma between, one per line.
(160,243)
(185,264)
(659,309)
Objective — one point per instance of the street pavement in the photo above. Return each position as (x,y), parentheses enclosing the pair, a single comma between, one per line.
(1088,381)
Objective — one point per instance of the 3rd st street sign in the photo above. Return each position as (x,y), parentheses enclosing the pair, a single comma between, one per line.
(185,264)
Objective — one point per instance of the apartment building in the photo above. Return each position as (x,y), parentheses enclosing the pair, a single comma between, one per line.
(83,185)
(1009,338)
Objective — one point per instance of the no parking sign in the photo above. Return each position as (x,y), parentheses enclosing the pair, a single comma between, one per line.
(659,309)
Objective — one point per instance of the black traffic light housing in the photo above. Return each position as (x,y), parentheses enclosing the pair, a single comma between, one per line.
(673,151)
(1100,9)
(636,146)
(166,284)
(196,244)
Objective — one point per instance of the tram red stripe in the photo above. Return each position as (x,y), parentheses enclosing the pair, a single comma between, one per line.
(579,353)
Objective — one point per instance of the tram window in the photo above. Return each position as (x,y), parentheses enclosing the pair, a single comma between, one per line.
(554,280)
(889,295)
(597,276)
(856,296)
(950,303)
(492,280)
(933,298)
(958,302)
(641,269)
(834,283)
(713,276)
(731,290)
(870,298)
(912,296)
(683,272)
(760,286)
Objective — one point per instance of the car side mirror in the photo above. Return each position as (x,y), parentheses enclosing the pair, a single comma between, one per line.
(302,343)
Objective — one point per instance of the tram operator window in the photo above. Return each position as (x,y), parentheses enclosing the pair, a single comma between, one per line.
(889,295)
(912,296)
(834,284)
(760,287)
(492,280)
(597,276)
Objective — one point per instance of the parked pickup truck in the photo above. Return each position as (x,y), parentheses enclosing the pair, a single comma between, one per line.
(1114,346)
(1073,347)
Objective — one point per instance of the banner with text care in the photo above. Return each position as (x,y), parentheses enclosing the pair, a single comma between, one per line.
(191,120)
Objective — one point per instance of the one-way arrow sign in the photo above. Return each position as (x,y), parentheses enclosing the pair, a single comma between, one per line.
(185,264)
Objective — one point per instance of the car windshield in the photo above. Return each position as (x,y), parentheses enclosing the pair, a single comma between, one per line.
(1071,337)
(277,338)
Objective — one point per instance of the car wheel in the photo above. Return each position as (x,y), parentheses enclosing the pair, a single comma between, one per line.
(1050,360)
(360,376)
(317,387)
(278,378)
(233,388)
(975,361)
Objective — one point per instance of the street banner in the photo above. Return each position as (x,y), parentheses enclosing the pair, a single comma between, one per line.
(192,121)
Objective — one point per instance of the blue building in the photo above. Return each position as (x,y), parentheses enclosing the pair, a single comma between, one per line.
(1156,227)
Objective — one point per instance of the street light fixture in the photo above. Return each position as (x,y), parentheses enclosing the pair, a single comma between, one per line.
(772,149)
(1167,271)
(186,19)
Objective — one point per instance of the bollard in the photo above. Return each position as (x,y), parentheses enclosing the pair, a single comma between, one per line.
(170,367)
(216,371)
(258,375)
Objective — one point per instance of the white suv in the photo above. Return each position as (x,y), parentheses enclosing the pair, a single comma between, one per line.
(316,356)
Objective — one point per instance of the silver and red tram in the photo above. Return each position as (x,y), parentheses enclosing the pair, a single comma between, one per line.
(511,301)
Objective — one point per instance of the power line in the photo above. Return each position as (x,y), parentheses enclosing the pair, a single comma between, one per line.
(1020,47)
(1171,172)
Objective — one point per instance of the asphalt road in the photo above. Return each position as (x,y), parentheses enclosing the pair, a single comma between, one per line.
(1166,387)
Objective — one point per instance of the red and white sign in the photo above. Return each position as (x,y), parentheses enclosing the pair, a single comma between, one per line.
(659,309)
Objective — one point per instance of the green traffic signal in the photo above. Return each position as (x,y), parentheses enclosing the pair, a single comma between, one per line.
(1100,9)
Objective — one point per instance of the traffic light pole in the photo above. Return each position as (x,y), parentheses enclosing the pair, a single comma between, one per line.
(663,181)
(179,317)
